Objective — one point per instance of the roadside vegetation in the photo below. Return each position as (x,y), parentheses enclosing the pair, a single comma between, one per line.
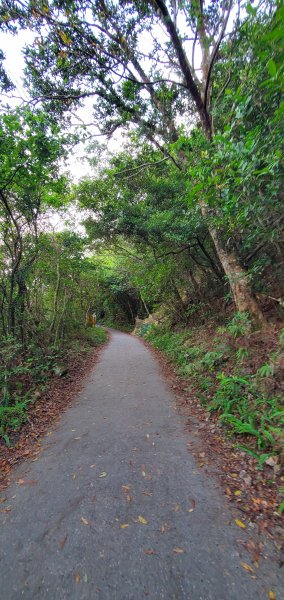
(236,374)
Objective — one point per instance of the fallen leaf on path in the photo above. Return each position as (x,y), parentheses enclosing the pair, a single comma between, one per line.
(271,595)
(147,493)
(3,499)
(149,551)
(63,542)
(238,493)
(103,474)
(178,550)
(192,506)
(85,521)
(124,525)
(177,508)
(201,463)
(77,577)
(92,466)
(240,524)
(6,510)
(201,454)
(247,567)
(27,481)
(74,476)
(142,520)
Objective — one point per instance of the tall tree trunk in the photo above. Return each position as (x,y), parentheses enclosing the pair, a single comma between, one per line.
(237,277)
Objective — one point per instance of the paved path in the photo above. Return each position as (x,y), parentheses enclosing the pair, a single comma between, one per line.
(105,513)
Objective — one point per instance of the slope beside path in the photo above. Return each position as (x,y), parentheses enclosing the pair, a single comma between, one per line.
(115,507)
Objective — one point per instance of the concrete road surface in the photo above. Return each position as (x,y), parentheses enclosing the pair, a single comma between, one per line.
(105,513)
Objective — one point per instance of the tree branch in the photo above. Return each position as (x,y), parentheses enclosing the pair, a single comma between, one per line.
(214,54)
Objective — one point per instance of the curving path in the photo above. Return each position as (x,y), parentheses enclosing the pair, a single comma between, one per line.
(105,513)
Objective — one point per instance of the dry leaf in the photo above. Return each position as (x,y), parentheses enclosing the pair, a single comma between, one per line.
(149,551)
(103,474)
(92,466)
(202,454)
(256,500)
(233,475)
(177,508)
(238,493)
(271,595)
(21,482)
(63,542)
(192,506)
(142,520)
(6,510)
(271,461)
(77,577)
(201,463)
(85,521)
(247,567)
(124,525)
(240,524)
(178,550)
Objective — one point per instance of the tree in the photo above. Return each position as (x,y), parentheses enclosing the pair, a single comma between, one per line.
(30,148)
(96,49)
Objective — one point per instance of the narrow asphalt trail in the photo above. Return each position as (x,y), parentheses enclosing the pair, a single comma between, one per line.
(103,513)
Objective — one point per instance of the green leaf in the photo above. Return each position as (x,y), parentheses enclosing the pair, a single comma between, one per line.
(272,67)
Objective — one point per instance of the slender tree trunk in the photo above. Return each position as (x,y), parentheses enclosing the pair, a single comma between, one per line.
(55,301)
(21,302)
(144,304)
(61,322)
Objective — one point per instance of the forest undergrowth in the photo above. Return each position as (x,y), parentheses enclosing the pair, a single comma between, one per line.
(38,384)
